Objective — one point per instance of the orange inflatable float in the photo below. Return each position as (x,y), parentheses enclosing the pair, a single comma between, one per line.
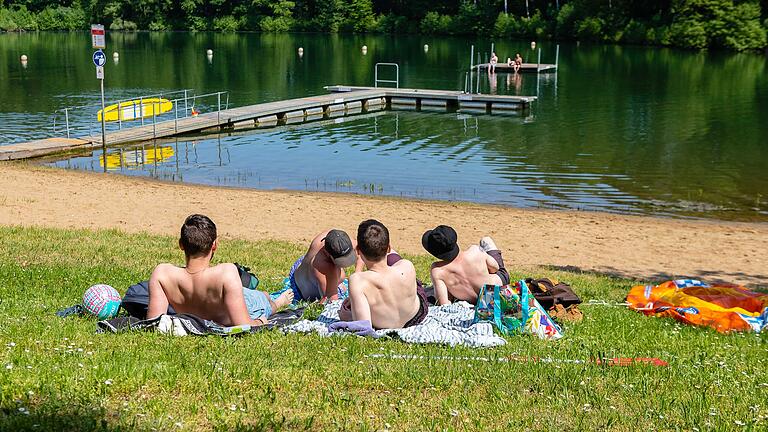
(723,307)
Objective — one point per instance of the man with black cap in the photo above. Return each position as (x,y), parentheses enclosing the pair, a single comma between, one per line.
(318,275)
(460,275)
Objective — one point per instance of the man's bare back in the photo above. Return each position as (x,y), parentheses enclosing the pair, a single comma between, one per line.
(464,276)
(214,293)
(385,296)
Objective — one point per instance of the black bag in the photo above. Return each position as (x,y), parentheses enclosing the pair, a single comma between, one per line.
(136,299)
(550,292)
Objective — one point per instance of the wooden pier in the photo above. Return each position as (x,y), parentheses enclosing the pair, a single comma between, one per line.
(524,68)
(341,101)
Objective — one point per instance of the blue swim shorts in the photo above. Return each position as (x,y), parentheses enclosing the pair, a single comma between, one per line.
(257,303)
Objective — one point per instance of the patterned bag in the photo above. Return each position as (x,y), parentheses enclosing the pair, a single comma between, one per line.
(514,310)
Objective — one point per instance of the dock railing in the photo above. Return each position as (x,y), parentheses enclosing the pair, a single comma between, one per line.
(83,120)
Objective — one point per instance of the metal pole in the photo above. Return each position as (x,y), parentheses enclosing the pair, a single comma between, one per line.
(478,78)
(103,126)
(66,119)
(176,116)
(119,116)
(185,102)
(154,121)
(492,47)
(538,63)
(466,80)
(218,113)
(471,60)
(141,109)
(557,56)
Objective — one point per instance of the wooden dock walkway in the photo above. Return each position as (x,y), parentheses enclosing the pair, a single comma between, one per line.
(341,100)
(524,68)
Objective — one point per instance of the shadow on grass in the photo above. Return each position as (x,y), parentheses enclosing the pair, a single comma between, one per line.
(62,415)
(757,282)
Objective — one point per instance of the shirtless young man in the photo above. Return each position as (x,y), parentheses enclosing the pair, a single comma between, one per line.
(461,275)
(387,293)
(214,293)
(317,274)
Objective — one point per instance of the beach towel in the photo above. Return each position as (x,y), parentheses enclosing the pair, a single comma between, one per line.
(448,325)
(724,307)
(192,325)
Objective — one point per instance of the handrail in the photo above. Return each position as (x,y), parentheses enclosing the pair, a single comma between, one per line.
(376,79)
(158,95)
(155,117)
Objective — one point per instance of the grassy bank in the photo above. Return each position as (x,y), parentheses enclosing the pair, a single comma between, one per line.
(57,374)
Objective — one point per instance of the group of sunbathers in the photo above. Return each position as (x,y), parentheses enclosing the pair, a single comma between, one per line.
(383,291)
(515,63)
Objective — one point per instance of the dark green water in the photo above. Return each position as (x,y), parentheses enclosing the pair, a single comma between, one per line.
(623,129)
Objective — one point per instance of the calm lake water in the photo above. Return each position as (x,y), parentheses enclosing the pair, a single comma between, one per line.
(621,129)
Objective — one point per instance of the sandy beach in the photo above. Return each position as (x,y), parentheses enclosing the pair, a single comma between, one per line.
(646,248)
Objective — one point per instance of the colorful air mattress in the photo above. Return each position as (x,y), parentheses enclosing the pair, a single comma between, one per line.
(723,307)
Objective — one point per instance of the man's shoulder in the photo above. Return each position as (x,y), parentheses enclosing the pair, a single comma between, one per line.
(225,269)
(166,268)
(404,263)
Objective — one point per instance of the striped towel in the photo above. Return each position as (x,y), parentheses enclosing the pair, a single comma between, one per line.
(447,325)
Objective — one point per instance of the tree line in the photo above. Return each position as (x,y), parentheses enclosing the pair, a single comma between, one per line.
(699,24)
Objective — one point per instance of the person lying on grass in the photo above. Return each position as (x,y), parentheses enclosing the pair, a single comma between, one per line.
(319,273)
(214,293)
(459,275)
(387,294)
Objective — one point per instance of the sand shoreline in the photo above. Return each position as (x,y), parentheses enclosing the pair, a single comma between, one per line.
(644,247)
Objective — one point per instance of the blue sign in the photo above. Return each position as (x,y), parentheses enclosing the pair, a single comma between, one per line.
(99,58)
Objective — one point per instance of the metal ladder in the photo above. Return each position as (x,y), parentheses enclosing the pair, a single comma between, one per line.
(376,79)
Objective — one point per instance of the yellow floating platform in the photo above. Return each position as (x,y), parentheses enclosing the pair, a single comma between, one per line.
(136,109)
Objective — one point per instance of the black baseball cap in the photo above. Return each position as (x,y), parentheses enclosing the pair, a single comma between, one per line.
(441,242)
(339,247)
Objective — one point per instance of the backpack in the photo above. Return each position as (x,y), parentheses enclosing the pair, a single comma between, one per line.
(136,299)
(550,292)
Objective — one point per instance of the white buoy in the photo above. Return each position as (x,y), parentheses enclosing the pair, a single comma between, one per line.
(426,47)
(209,53)
(115,54)
(301,52)
(365,49)
(533,45)
(23,57)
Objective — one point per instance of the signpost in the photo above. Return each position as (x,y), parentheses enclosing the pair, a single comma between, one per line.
(99,42)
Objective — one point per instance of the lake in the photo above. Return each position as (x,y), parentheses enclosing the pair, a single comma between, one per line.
(634,130)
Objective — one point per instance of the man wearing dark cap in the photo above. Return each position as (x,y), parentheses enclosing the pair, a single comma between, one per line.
(460,274)
(318,275)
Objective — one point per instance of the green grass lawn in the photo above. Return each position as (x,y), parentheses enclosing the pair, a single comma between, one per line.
(57,374)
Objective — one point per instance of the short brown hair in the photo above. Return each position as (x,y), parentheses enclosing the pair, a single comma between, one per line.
(197,235)
(373,239)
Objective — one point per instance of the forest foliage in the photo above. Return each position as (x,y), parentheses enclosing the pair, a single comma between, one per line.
(699,24)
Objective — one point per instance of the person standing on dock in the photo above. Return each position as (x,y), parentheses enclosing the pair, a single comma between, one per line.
(319,274)
(492,64)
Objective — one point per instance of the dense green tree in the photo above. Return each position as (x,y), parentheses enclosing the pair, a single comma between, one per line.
(732,24)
